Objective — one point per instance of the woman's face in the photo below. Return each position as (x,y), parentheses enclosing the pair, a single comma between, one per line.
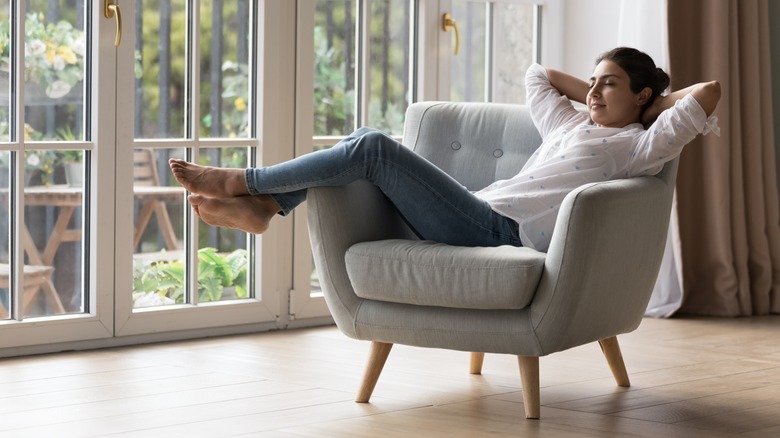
(611,103)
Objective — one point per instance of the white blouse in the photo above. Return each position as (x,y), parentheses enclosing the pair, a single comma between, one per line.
(575,151)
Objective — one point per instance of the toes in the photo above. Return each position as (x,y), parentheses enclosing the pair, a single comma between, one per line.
(196,200)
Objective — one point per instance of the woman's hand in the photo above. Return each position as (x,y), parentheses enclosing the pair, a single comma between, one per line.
(660,103)
(707,94)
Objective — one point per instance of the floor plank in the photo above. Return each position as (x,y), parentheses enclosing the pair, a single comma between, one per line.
(691,377)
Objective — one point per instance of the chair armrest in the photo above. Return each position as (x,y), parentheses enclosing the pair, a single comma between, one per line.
(604,263)
(340,217)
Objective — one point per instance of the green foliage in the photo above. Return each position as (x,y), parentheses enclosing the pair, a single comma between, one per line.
(166,280)
(235,82)
(54,53)
(235,115)
(334,104)
(334,84)
(39,166)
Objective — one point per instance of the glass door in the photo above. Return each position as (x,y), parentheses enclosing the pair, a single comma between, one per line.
(357,56)
(190,69)
(56,131)
(485,47)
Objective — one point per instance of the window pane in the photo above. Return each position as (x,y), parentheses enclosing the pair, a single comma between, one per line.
(54,62)
(52,237)
(223,261)
(467,79)
(161,64)
(5,65)
(513,46)
(5,278)
(158,259)
(334,67)
(389,64)
(225,85)
(475,71)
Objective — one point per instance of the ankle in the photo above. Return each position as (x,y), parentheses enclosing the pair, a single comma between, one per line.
(237,184)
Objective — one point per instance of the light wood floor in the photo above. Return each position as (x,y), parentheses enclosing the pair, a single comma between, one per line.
(691,378)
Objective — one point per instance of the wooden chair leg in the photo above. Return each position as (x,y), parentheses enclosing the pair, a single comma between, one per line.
(165,225)
(611,350)
(529,374)
(475,367)
(144,214)
(376,361)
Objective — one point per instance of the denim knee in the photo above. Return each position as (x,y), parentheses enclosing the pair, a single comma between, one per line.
(373,144)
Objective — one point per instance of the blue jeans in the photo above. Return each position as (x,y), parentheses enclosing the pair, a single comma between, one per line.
(432,203)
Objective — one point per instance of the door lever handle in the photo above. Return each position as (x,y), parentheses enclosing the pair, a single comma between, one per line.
(111,10)
(447,23)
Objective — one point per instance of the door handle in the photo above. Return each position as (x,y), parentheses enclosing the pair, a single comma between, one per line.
(447,23)
(111,10)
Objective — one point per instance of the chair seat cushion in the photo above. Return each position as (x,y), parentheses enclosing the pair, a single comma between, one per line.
(434,274)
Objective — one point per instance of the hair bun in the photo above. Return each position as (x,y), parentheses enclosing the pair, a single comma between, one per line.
(663,79)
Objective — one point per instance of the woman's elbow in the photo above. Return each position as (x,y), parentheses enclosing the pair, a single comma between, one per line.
(708,95)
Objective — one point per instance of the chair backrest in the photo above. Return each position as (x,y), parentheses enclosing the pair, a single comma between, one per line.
(609,239)
(476,143)
(145,168)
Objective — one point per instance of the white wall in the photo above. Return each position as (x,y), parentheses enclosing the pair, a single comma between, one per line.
(594,26)
(591,28)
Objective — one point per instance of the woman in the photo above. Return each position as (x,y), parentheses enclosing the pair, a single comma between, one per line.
(609,142)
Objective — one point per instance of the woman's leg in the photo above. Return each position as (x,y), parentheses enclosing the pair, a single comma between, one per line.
(434,204)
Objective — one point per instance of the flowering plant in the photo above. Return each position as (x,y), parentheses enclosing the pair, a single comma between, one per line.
(40,166)
(53,54)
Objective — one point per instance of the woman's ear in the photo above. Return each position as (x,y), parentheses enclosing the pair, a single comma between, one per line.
(644,96)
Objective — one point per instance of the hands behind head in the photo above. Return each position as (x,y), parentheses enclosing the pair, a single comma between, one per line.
(707,94)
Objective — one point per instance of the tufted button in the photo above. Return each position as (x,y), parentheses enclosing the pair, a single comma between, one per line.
(455,145)
(498,153)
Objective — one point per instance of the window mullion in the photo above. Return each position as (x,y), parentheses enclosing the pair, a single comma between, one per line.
(192,129)
(489,49)
(363,47)
(16,199)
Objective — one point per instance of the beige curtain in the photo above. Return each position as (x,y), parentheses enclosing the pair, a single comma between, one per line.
(727,192)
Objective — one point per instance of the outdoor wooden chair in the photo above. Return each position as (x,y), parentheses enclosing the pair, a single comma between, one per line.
(35,279)
(145,174)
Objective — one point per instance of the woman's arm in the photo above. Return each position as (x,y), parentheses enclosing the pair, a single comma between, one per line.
(707,94)
(572,87)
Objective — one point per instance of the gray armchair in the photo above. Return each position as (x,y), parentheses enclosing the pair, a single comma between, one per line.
(384,285)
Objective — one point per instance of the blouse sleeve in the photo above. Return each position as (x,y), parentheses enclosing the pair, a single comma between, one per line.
(666,137)
(549,109)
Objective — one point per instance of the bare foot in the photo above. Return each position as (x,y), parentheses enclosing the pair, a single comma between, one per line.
(252,214)
(214,182)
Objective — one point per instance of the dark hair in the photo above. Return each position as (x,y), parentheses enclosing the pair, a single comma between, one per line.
(640,68)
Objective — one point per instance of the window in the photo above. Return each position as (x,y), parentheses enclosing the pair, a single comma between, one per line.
(362,66)
(170,122)
(498,41)
(97,240)
(46,140)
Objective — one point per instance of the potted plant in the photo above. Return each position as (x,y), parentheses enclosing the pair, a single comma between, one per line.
(71,160)
(53,59)
(71,163)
